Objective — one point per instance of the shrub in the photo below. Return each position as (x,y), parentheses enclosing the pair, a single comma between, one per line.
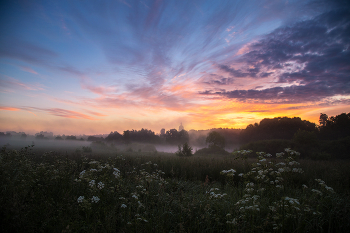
(185,151)
(212,151)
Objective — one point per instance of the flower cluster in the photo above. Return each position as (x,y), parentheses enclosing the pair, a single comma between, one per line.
(116,173)
(230,172)
(95,199)
(213,195)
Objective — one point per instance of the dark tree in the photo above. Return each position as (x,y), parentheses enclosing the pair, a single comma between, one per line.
(276,128)
(323,120)
(94,138)
(72,137)
(215,139)
(185,151)
(126,136)
(335,127)
(114,137)
(175,137)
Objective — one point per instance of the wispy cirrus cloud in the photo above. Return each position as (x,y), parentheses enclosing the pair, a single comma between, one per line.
(28,69)
(57,112)
(9,84)
(61,112)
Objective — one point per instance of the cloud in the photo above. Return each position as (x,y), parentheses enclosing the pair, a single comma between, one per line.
(28,69)
(62,113)
(238,73)
(9,108)
(10,84)
(28,52)
(309,61)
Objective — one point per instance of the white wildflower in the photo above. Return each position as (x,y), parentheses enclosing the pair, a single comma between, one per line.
(123,206)
(82,174)
(316,191)
(95,199)
(80,199)
(92,183)
(100,185)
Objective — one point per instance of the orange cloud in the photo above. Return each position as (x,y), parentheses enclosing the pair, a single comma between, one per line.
(9,108)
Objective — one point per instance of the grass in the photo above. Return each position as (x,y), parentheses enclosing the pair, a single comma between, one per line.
(160,192)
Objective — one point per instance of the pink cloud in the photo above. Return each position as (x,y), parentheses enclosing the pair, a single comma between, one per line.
(61,112)
(12,83)
(28,69)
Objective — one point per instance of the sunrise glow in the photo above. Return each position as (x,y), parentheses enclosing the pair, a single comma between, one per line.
(89,67)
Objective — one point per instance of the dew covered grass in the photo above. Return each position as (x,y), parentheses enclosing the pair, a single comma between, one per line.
(156,192)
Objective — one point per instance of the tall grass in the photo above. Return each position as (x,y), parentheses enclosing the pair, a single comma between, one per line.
(154,192)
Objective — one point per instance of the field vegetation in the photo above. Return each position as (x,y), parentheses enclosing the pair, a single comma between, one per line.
(132,191)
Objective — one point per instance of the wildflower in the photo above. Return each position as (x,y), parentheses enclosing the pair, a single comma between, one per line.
(280,170)
(93,170)
(320,181)
(140,204)
(123,206)
(135,196)
(116,172)
(230,172)
(329,189)
(304,186)
(316,191)
(95,199)
(92,183)
(287,150)
(82,174)
(262,160)
(234,221)
(240,174)
(280,164)
(293,163)
(279,155)
(100,185)
(80,199)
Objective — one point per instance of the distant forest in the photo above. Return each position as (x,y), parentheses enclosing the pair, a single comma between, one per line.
(331,135)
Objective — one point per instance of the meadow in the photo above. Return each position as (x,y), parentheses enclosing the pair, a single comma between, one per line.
(113,190)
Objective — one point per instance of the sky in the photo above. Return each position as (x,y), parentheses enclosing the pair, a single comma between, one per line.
(91,67)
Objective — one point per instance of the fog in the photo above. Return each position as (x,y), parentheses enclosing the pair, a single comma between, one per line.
(14,143)
(73,145)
